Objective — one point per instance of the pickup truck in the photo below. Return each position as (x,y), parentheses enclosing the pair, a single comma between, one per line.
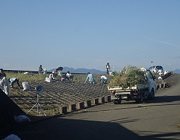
(137,92)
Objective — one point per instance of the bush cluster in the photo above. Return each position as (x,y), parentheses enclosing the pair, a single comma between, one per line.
(128,76)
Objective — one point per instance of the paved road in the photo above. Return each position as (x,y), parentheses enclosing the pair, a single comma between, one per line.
(158,119)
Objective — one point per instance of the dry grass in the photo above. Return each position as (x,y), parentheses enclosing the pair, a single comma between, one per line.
(31,77)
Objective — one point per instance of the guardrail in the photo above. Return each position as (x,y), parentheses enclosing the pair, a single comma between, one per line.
(21,71)
(35,72)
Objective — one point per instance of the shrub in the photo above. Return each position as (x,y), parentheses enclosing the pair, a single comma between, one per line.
(129,76)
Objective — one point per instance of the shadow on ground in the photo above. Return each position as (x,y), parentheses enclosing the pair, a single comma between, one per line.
(68,129)
(59,128)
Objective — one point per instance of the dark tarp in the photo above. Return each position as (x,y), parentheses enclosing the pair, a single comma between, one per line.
(8,109)
(59,68)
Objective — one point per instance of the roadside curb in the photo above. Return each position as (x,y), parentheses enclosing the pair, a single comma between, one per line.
(82,105)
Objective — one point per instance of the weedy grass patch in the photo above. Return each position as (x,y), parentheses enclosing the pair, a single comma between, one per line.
(32,77)
(29,77)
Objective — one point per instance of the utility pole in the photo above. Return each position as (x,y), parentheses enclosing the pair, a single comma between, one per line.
(151,63)
(170,66)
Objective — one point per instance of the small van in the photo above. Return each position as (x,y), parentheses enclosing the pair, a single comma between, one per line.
(157,69)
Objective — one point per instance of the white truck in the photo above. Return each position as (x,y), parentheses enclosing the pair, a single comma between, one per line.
(137,92)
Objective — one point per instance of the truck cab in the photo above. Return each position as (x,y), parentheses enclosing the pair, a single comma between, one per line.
(151,81)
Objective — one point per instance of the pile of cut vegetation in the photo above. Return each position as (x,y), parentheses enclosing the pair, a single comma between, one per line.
(128,76)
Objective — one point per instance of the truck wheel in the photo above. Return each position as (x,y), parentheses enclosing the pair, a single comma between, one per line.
(117,101)
(152,95)
(140,99)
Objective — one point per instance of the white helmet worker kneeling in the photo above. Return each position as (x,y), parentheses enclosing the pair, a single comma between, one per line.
(104,79)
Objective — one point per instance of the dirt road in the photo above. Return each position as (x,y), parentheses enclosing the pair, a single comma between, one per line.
(158,119)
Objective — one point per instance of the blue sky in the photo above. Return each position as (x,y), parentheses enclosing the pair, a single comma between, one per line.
(89,33)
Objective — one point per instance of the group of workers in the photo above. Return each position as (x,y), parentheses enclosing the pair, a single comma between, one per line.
(90,79)
(4,82)
(68,76)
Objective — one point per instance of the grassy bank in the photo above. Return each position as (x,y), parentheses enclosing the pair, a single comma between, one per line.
(31,77)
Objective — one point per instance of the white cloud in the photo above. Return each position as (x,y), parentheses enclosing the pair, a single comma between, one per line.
(176,57)
(167,43)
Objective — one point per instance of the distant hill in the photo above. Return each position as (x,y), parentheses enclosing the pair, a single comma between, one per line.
(177,71)
(80,70)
